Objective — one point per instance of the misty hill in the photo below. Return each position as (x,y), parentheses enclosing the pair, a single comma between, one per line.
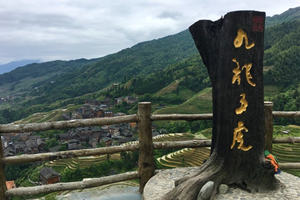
(14,64)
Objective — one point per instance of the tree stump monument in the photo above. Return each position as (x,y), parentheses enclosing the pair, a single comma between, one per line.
(232,50)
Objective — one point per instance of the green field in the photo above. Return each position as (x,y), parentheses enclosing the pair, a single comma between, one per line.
(81,162)
(187,157)
(54,115)
(199,103)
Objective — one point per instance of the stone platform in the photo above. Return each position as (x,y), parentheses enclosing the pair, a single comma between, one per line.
(163,182)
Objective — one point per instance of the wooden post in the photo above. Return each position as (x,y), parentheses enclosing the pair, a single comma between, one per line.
(268,108)
(2,174)
(146,159)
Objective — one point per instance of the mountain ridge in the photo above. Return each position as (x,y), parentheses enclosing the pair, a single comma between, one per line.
(7,67)
(291,14)
(145,68)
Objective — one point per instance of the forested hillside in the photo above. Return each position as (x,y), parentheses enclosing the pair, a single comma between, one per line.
(291,14)
(141,59)
(283,54)
(166,71)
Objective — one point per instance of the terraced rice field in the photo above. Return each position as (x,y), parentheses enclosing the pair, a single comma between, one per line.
(187,157)
(182,158)
(81,162)
(173,137)
(288,153)
(195,157)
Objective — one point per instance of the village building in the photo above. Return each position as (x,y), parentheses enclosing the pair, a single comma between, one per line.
(130,100)
(119,114)
(20,147)
(74,144)
(119,100)
(49,176)
(108,114)
(127,99)
(9,151)
(103,106)
(107,141)
(89,111)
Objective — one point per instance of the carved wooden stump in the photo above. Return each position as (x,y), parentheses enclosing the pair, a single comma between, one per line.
(232,50)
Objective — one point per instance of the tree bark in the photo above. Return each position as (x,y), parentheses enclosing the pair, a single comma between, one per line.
(232,50)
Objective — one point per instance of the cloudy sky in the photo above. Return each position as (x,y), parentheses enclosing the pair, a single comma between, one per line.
(71,29)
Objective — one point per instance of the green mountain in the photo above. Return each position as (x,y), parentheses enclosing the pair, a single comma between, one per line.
(141,59)
(283,54)
(291,14)
(166,71)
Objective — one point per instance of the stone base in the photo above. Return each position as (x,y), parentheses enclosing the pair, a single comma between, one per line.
(164,181)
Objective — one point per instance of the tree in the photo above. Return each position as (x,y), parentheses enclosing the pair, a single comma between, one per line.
(232,50)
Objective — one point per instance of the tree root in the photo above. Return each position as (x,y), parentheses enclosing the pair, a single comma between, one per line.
(188,188)
(214,170)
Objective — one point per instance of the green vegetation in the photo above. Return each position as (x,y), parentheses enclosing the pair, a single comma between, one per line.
(187,157)
(80,162)
(128,162)
(288,153)
(199,103)
(168,72)
(289,15)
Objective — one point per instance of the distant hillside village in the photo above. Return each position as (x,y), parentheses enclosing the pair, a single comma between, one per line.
(78,138)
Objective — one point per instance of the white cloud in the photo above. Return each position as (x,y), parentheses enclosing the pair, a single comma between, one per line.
(70,29)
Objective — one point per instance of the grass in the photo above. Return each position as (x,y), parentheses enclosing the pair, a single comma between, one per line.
(206,133)
(285,131)
(168,89)
(54,115)
(199,103)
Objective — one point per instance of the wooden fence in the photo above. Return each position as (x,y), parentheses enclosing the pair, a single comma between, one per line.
(146,168)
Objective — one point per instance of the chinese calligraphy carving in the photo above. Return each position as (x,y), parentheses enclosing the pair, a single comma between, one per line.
(244,105)
(238,131)
(238,137)
(248,75)
(237,71)
(239,39)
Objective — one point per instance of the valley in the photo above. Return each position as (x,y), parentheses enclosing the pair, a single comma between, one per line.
(167,72)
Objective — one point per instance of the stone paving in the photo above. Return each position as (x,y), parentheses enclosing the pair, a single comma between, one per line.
(163,182)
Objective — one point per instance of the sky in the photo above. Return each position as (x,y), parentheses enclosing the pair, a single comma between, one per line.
(72,29)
